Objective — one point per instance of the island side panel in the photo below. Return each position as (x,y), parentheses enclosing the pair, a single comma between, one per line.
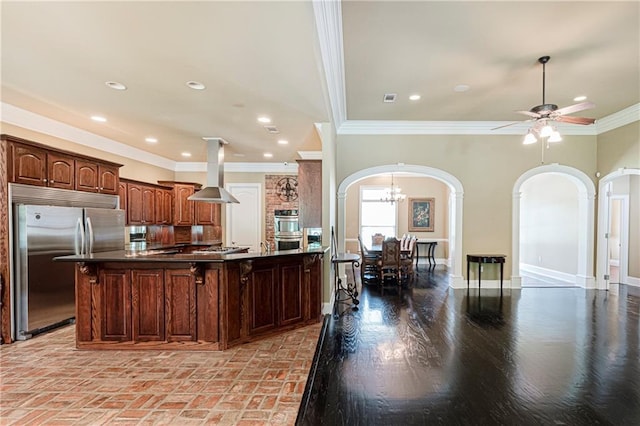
(83,302)
(208,299)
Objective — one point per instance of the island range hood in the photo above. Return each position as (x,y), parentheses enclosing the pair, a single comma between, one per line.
(214,191)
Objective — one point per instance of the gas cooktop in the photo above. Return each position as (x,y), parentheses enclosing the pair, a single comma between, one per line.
(218,250)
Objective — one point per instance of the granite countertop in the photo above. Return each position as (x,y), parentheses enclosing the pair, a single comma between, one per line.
(137,256)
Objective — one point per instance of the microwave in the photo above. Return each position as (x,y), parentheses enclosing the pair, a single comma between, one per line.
(312,237)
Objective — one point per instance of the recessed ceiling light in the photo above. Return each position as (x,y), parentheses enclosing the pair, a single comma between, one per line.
(99,118)
(151,140)
(264,119)
(461,88)
(196,85)
(414,97)
(186,154)
(283,142)
(268,155)
(580,98)
(115,85)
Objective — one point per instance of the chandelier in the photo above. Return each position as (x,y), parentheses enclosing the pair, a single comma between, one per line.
(393,194)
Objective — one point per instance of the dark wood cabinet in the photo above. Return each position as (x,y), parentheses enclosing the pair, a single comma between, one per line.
(148,205)
(60,171)
(180,305)
(164,204)
(207,213)
(183,207)
(122,194)
(31,163)
(166,304)
(114,305)
(95,177)
(263,284)
(147,299)
(134,204)
(290,292)
(310,193)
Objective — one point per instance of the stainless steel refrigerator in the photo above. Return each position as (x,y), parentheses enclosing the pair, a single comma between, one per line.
(45,289)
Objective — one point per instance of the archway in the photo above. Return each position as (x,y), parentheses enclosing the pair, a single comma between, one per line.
(455,208)
(586,208)
(604,213)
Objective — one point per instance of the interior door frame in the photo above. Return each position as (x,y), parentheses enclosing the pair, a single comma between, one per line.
(623,264)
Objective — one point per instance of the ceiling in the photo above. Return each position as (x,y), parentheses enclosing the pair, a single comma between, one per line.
(265,58)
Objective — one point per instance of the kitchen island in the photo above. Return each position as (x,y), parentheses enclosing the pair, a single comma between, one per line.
(193,300)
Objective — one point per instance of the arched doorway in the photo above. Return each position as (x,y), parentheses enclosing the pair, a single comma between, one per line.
(455,209)
(604,215)
(586,214)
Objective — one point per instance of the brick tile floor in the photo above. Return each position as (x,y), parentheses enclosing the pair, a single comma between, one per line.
(46,381)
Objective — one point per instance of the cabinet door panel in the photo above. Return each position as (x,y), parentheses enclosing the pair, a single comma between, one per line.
(115,305)
(122,193)
(86,176)
(262,300)
(108,178)
(147,294)
(28,165)
(148,205)
(134,204)
(180,306)
(183,207)
(290,293)
(207,301)
(61,171)
(207,213)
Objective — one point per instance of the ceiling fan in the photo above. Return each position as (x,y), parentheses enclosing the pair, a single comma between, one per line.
(550,112)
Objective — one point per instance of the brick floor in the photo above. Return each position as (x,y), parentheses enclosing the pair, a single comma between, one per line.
(47,381)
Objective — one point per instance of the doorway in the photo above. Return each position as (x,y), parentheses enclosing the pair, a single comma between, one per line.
(618,241)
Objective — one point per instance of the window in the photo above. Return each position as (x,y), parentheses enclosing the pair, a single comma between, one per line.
(375,215)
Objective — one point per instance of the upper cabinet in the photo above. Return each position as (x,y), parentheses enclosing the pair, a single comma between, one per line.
(187,212)
(310,193)
(31,163)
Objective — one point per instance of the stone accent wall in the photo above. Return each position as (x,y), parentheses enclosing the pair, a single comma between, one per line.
(273,202)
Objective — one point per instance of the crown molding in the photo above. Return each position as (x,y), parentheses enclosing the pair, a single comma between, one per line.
(310,155)
(283,168)
(619,119)
(38,123)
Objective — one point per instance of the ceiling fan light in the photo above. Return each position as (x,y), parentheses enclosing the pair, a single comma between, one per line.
(529,138)
(546,131)
(555,137)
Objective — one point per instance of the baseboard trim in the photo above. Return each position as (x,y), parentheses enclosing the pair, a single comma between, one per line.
(633,281)
(539,272)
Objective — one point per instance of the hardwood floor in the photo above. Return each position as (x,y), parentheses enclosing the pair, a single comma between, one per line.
(433,355)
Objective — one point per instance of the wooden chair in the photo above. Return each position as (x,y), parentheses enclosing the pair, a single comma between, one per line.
(368,263)
(389,264)
(377,239)
(408,259)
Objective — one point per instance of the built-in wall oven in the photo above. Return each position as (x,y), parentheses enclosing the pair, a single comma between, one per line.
(287,233)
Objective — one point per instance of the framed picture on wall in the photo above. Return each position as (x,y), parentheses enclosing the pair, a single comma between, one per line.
(421,214)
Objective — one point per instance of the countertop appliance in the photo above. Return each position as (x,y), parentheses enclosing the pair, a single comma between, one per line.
(44,290)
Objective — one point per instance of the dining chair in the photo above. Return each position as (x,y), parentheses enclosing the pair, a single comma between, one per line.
(377,239)
(408,258)
(389,263)
(368,262)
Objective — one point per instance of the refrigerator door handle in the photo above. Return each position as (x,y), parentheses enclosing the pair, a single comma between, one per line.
(79,249)
(90,237)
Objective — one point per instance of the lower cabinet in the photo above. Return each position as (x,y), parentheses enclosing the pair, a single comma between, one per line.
(274,296)
(147,305)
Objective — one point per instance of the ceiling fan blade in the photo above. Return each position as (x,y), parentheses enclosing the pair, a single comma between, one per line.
(575,108)
(507,125)
(575,120)
(530,114)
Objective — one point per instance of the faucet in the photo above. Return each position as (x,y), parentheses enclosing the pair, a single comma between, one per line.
(265,247)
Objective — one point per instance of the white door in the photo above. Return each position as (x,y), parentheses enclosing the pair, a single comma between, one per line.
(244,220)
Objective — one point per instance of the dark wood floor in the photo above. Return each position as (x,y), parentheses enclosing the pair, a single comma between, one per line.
(433,355)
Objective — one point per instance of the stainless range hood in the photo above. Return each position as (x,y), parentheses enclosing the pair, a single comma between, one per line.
(214,191)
